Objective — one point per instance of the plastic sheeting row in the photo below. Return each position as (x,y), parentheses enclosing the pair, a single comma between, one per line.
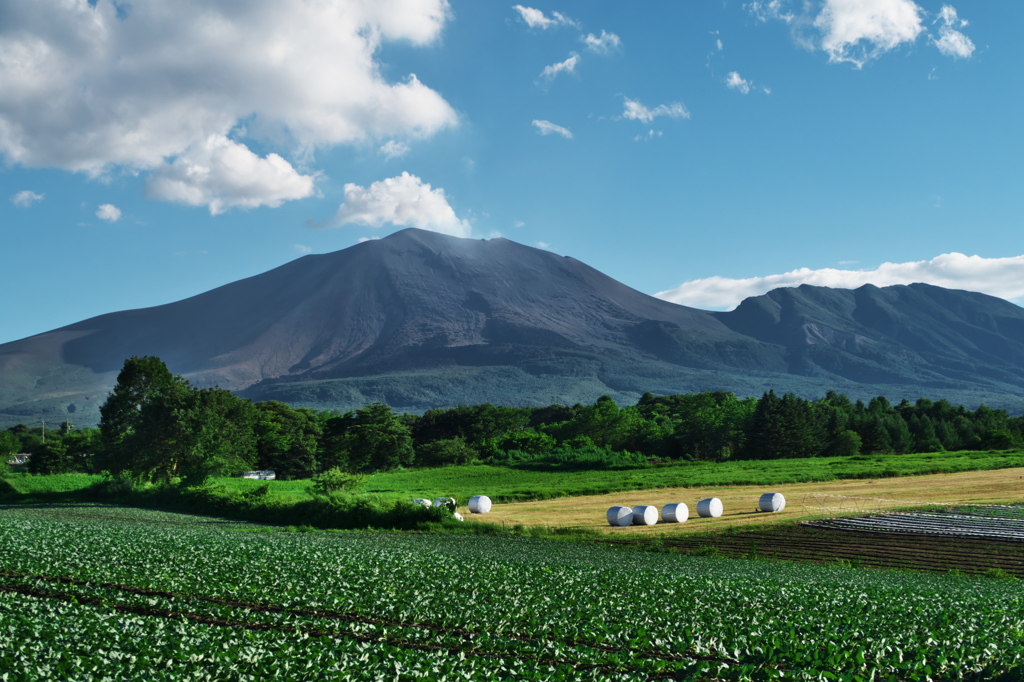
(678,512)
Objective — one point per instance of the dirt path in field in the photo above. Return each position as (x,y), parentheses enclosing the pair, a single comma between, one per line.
(803,501)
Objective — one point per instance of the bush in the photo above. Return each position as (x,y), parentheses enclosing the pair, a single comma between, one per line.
(334,481)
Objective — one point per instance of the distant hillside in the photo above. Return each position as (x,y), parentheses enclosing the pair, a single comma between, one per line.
(423,320)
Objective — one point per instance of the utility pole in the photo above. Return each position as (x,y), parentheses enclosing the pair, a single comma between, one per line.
(42,429)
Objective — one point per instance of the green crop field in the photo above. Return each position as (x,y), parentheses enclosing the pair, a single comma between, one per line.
(94,592)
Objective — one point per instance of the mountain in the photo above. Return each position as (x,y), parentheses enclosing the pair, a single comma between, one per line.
(420,320)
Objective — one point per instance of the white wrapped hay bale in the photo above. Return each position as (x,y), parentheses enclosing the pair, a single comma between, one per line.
(676,512)
(771,502)
(645,515)
(479,504)
(423,502)
(458,516)
(620,516)
(709,506)
(448,502)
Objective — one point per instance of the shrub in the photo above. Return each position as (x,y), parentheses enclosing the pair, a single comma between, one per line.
(334,481)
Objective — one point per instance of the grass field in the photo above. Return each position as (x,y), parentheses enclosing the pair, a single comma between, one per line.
(505,484)
(93,592)
(740,502)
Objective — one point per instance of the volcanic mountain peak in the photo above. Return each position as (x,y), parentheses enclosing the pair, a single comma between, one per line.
(420,319)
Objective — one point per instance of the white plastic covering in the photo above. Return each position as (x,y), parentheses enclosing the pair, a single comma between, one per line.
(709,506)
(772,502)
(479,504)
(620,516)
(423,502)
(645,515)
(676,512)
(445,502)
(458,516)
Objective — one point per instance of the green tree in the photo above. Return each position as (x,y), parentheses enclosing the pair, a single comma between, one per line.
(50,457)
(378,440)
(156,427)
(141,382)
(448,452)
(287,439)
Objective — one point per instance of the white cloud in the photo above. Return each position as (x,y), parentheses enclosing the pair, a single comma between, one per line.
(651,134)
(26,198)
(108,212)
(636,111)
(404,200)
(547,127)
(736,82)
(568,66)
(535,18)
(543,245)
(602,44)
(772,9)
(221,174)
(857,31)
(302,248)
(392,149)
(1002,277)
(952,42)
(91,87)
(363,240)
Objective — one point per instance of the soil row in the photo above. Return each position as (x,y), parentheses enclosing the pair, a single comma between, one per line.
(907,551)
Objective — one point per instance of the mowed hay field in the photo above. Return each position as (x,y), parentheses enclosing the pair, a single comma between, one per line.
(740,502)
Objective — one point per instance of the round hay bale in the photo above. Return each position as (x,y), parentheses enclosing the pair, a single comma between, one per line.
(676,512)
(448,502)
(772,502)
(645,515)
(619,516)
(709,506)
(458,516)
(423,502)
(479,504)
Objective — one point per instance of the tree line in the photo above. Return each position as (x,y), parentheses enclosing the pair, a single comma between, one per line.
(155,426)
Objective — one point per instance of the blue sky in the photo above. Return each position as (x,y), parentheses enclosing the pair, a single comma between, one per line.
(701,151)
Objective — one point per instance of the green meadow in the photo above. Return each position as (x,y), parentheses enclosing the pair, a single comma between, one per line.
(524,483)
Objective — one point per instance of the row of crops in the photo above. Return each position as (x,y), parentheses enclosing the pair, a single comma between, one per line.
(93,593)
(996,522)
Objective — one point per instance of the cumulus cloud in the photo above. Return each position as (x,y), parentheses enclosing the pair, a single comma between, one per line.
(858,31)
(1002,277)
(302,248)
(535,18)
(547,127)
(393,149)
(635,111)
(108,212)
(568,66)
(602,44)
(404,200)
(220,174)
(91,87)
(26,198)
(952,42)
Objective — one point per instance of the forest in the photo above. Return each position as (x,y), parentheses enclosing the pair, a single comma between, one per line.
(157,427)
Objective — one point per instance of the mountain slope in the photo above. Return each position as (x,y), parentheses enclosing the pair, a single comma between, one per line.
(420,319)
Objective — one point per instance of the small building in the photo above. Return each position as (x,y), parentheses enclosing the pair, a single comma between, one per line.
(260,475)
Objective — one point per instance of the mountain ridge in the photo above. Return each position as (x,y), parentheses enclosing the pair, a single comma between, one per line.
(421,320)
